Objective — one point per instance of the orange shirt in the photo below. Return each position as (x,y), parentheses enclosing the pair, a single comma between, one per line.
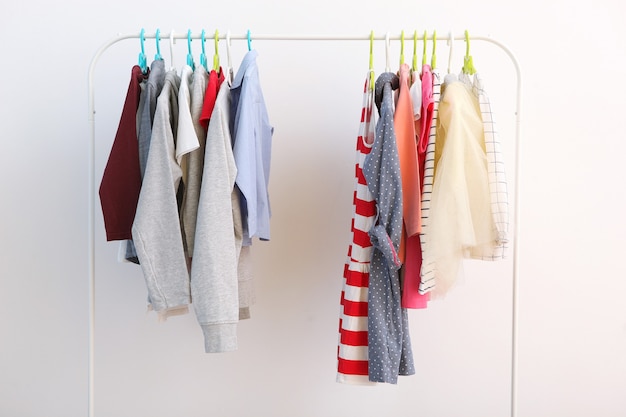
(404,127)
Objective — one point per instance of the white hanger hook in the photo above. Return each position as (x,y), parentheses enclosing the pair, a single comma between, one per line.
(451,44)
(228,48)
(172,42)
(230,63)
(387,67)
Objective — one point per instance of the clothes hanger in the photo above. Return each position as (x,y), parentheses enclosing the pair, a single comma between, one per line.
(424,54)
(414,66)
(468,61)
(401,48)
(372,75)
(451,44)
(216,57)
(387,67)
(143,62)
(249,41)
(202,54)
(189,56)
(433,59)
(172,42)
(230,64)
(157,56)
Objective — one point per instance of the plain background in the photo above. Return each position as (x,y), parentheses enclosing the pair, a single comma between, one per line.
(572,323)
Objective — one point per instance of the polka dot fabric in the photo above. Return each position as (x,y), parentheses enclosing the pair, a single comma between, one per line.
(389,345)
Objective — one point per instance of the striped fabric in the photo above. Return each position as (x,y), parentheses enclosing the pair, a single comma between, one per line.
(495,170)
(352,352)
(428,266)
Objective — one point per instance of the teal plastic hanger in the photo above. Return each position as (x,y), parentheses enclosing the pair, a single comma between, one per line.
(216,56)
(158,46)
(468,61)
(249,41)
(143,62)
(189,56)
(202,54)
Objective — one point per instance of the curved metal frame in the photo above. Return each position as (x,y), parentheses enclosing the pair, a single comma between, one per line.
(293,37)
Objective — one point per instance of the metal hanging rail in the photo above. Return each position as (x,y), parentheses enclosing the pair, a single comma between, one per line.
(297,37)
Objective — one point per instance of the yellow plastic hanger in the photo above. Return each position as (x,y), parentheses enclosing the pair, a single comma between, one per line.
(424,54)
(414,67)
(372,60)
(216,56)
(433,59)
(468,61)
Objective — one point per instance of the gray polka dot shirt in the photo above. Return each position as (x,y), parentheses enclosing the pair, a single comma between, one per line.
(389,345)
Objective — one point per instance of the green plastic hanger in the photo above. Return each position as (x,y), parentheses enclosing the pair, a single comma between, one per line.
(216,57)
(468,61)
(433,59)
(424,54)
(414,66)
(401,47)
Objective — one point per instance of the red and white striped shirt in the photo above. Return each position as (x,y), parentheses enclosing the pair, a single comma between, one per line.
(352,352)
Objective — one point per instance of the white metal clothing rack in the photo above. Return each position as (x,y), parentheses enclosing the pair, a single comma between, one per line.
(172,36)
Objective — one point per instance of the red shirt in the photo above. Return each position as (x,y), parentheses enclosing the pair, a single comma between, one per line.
(212,88)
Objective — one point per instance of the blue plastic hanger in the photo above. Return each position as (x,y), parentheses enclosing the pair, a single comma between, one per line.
(158,45)
(249,41)
(143,62)
(203,55)
(189,56)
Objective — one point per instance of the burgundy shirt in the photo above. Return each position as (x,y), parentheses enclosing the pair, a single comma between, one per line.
(121,181)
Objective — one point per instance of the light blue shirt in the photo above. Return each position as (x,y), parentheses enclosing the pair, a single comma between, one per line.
(252,146)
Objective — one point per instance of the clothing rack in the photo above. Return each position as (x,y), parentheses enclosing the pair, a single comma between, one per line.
(173,36)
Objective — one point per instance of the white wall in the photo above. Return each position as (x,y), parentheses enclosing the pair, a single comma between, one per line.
(572,339)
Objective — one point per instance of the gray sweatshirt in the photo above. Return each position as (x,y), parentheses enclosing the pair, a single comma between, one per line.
(156,229)
(194,161)
(214,276)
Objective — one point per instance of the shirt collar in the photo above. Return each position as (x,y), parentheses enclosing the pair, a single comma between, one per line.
(248,61)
